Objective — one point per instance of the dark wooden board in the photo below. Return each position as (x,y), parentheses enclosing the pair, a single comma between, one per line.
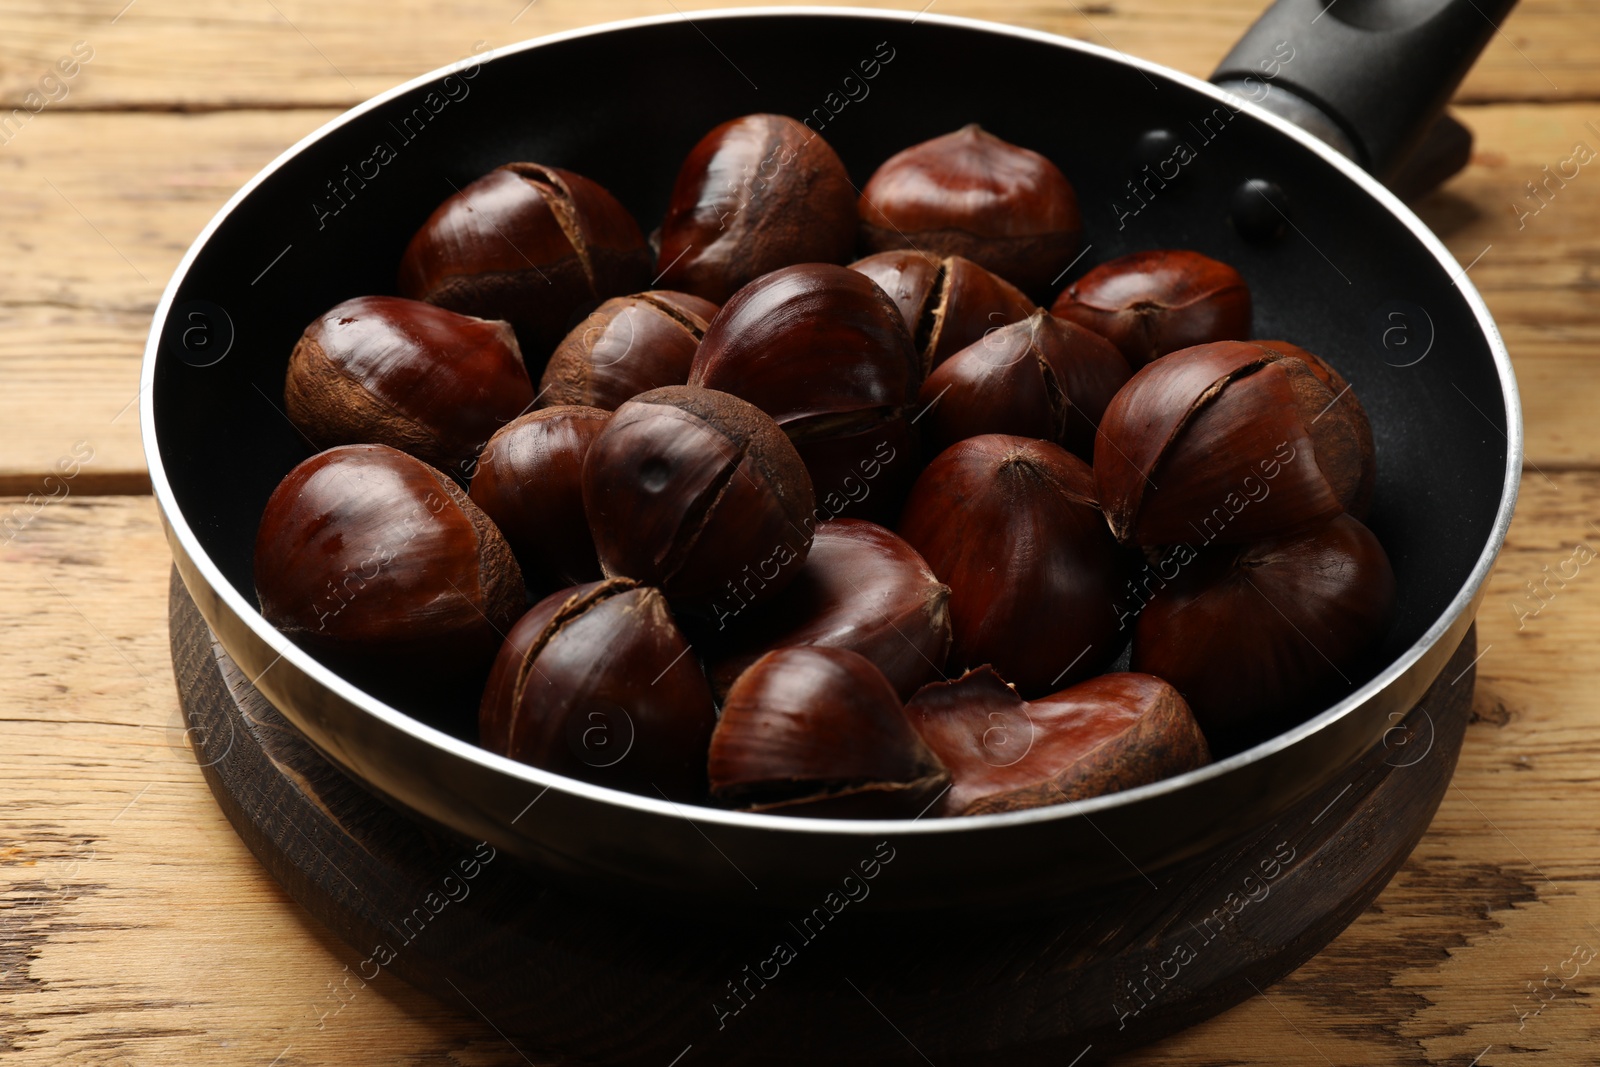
(570,977)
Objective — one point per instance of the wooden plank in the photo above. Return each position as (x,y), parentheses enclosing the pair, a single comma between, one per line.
(137,929)
(101,207)
(190,53)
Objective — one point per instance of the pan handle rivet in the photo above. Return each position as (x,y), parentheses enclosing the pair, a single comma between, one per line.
(1260,211)
(1156,147)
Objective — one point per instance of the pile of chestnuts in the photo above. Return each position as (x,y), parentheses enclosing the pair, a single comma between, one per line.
(791,533)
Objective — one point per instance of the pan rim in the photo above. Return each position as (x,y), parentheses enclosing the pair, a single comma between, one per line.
(392,718)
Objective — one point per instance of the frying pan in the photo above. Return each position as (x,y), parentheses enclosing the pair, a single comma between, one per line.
(1335,260)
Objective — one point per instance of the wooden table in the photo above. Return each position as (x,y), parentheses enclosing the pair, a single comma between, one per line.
(134,926)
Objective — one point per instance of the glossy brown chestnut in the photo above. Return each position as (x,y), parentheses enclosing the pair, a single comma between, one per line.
(1233,441)
(969,193)
(757,193)
(1152,303)
(1100,736)
(1348,435)
(627,346)
(825,352)
(529,480)
(385,370)
(1251,636)
(1042,377)
(1011,526)
(374,558)
(596,682)
(947,303)
(820,731)
(862,588)
(700,493)
(529,244)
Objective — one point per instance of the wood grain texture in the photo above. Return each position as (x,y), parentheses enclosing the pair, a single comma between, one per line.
(136,928)
(198,54)
(152,936)
(1165,950)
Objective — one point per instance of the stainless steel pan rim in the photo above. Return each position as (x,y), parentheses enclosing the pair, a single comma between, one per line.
(184,541)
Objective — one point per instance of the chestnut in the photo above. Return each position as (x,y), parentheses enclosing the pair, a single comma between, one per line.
(1233,441)
(596,682)
(861,588)
(948,303)
(700,493)
(1042,377)
(531,245)
(825,352)
(1250,635)
(1100,736)
(757,193)
(529,480)
(1011,526)
(385,370)
(372,558)
(971,194)
(1348,432)
(1151,303)
(627,346)
(820,731)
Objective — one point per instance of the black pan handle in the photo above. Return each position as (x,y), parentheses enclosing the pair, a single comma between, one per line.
(1371,77)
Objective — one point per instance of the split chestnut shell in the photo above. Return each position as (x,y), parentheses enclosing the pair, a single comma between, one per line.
(1233,442)
(1042,377)
(700,493)
(948,302)
(627,346)
(820,731)
(529,244)
(597,682)
(1100,736)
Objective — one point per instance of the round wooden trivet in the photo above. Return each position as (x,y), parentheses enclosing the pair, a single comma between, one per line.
(569,977)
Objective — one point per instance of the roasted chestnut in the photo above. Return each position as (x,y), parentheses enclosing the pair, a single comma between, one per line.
(385,370)
(820,731)
(947,303)
(1042,377)
(1233,441)
(755,194)
(1251,635)
(529,480)
(597,682)
(627,346)
(380,562)
(1152,303)
(1011,526)
(529,244)
(825,352)
(969,193)
(862,588)
(1100,736)
(700,493)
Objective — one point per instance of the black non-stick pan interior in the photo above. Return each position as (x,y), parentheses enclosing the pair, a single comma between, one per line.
(624,107)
